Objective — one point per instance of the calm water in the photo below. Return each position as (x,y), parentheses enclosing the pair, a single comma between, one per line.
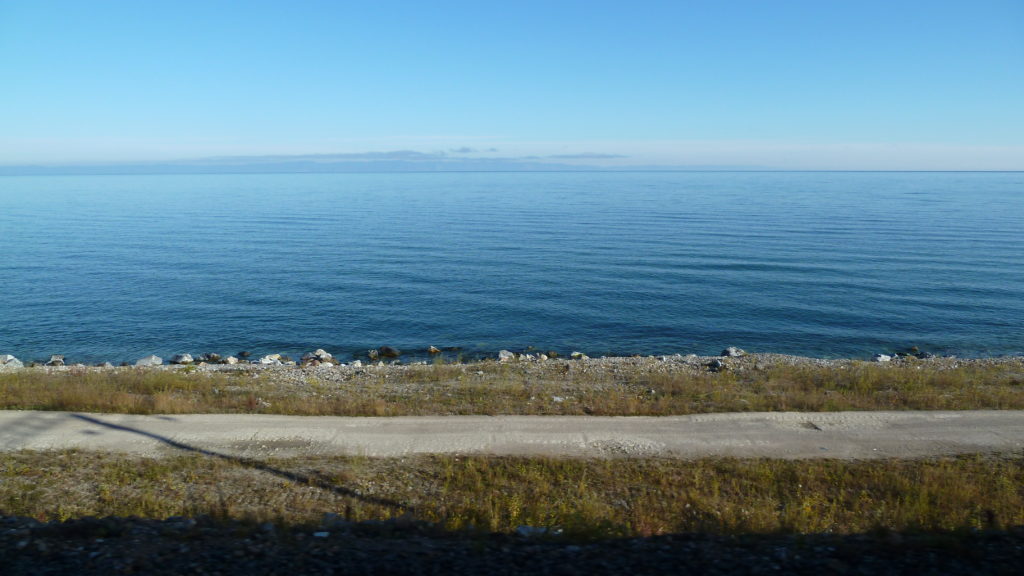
(826,264)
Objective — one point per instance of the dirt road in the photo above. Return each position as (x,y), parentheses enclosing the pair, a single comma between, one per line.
(772,435)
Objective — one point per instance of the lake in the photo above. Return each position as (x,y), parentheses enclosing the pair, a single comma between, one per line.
(829,264)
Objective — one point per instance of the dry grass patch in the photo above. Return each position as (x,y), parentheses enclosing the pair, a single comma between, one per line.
(625,497)
(558,388)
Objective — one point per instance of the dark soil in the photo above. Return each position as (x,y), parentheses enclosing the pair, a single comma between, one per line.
(205,546)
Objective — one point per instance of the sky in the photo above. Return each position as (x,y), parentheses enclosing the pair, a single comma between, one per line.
(832,85)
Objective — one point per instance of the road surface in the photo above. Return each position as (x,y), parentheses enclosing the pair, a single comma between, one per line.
(848,435)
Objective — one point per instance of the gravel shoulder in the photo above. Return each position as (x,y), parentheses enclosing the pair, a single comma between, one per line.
(843,435)
(187,546)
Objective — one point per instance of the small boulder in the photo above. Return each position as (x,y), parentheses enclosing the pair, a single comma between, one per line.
(151,360)
(579,356)
(244,354)
(208,357)
(271,360)
(181,359)
(433,350)
(231,360)
(56,360)
(552,354)
(716,366)
(373,354)
(733,352)
(322,355)
(8,361)
(881,358)
(506,356)
(357,364)
(389,352)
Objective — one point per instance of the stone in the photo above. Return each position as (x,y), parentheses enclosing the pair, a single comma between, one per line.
(8,361)
(881,358)
(924,355)
(271,359)
(56,360)
(244,354)
(579,356)
(733,352)
(552,354)
(106,365)
(542,357)
(151,360)
(433,350)
(181,359)
(322,354)
(505,356)
(231,360)
(716,365)
(389,352)
(357,364)
(373,354)
(208,357)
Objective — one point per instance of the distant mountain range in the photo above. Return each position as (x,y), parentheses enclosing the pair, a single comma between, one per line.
(396,161)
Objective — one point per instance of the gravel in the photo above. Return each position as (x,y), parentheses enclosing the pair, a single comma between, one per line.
(205,546)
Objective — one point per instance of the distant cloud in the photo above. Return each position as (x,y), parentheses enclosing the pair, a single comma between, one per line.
(464,150)
(587,156)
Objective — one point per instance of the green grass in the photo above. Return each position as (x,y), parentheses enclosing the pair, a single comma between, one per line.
(492,388)
(586,498)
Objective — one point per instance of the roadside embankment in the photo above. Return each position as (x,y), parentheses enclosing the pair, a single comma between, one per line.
(633,386)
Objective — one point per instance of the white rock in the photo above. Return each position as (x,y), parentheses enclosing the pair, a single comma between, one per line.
(542,357)
(181,359)
(231,360)
(271,360)
(579,356)
(881,358)
(8,361)
(151,360)
(321,354)
(357,364)
(505,356)
(733,352)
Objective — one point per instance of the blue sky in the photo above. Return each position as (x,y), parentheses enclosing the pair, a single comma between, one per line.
(781,84)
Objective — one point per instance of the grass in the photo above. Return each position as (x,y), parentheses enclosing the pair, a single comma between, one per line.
(585,498)
(492,388)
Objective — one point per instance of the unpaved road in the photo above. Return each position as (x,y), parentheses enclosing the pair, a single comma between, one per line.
(744,435)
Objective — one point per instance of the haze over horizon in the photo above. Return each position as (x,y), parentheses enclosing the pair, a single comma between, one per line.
(796,85)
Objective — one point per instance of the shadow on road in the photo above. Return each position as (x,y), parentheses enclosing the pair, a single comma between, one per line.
(29,425)
(316,480)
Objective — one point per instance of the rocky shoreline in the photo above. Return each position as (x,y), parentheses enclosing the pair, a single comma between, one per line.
(386,356)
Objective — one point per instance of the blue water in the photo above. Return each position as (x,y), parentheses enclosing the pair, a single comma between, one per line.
(824,264)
